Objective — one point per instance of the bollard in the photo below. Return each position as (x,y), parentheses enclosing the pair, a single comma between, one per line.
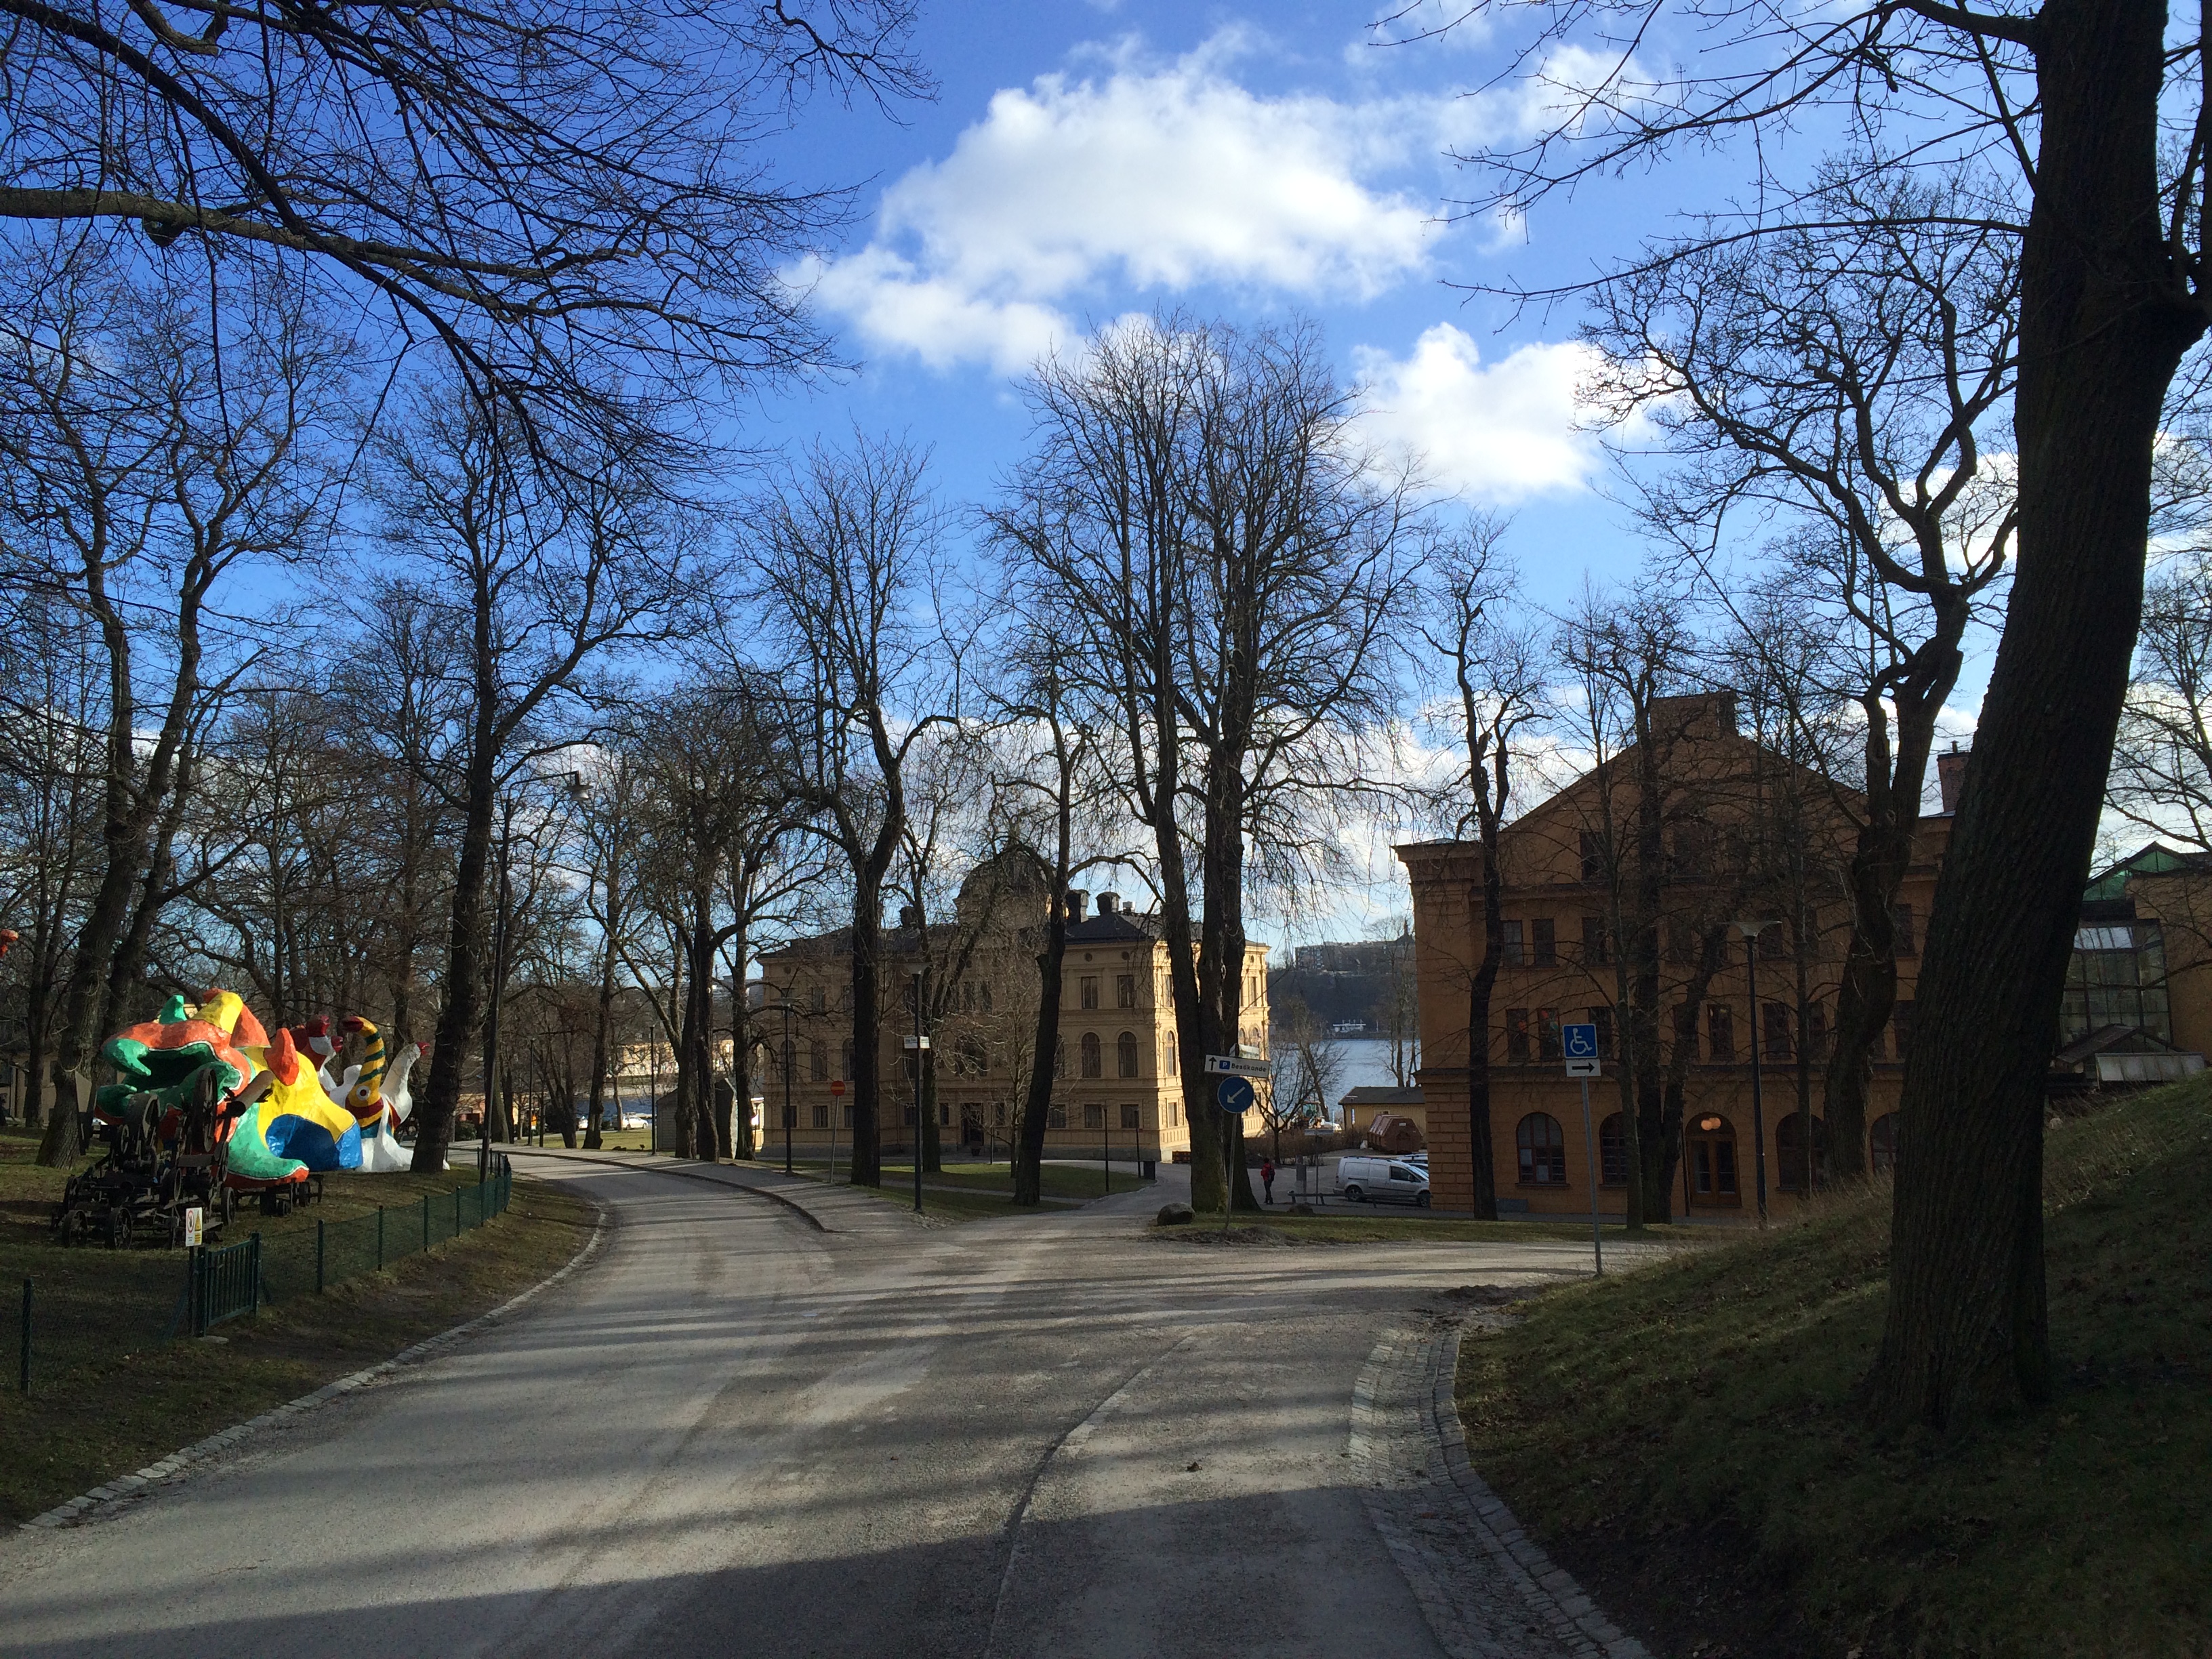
(426,1221)
(23,1370)
(319,1257)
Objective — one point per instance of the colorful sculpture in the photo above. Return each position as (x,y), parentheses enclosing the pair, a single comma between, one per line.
(296,1121)
(378,1099)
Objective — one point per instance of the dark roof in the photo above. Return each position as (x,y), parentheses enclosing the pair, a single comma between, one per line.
(1383,1095)
(1119,927)
(2109,1040)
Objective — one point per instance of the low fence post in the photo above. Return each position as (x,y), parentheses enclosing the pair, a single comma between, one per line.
(253,1260)
(457,1212)
(319,1257)
(23,1369)
(192,1291)
(380,1238)
(426,1221)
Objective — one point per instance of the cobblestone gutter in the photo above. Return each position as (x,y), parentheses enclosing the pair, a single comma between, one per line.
(1487,1589)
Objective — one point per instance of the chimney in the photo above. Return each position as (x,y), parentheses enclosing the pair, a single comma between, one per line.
(1951,775)
(1109,903)
(1077,898)
(1694,716)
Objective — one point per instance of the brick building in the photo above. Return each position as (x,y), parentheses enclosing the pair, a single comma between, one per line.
(1730,850)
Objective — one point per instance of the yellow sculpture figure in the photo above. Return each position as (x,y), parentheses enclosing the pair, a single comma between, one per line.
(379,1117)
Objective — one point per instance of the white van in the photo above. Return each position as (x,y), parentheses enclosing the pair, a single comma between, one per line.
(1383,1181)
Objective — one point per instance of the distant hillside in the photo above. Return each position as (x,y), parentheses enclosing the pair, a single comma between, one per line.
(1371,980)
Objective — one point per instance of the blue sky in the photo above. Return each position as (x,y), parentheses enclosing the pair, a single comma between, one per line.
(1085,161)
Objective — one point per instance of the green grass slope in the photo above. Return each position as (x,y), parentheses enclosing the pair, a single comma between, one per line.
(1686,1441)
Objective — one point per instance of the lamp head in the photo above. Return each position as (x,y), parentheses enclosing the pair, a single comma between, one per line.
(1751,927)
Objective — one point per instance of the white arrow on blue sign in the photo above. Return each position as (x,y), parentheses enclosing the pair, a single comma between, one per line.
(1235,1094)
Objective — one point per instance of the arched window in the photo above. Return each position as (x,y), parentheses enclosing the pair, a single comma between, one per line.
(1543,1149)
(1789,1152)
(1060,1057)
(1612,1152)
(819,1054)
(1125,1054)
(974,1061)
(1712,1160)
(1093,1065)
(1882,1142)
(847,1071)
(1172,1062)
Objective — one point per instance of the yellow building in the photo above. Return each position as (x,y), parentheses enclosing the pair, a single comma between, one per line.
(1119,1092)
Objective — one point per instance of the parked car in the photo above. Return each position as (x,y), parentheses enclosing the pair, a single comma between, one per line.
(1383,1181)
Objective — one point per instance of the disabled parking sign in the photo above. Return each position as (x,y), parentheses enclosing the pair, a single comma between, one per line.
(1579,1044)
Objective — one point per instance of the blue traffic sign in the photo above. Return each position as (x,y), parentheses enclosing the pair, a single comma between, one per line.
(1235,1094)
(1578,1042)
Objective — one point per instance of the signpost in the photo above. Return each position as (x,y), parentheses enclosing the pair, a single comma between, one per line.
(918,1045)
(1234,1095)
(1579,1044)
(836,1092)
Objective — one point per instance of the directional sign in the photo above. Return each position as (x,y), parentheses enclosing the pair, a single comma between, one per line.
(913,1042)
(1236,1066)
(1235,1094)
(1579,1044)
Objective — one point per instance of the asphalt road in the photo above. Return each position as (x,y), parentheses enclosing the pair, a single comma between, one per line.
(737,1434)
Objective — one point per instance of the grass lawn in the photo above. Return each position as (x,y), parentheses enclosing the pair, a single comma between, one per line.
(1685,1438)
(1058,1180)
(109,1395)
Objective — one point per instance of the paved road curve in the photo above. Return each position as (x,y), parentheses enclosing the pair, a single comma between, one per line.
(735,1433)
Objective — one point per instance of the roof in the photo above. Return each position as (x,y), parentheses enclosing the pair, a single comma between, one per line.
(2154,859)
(1383,1095)
(2110,1039)
(1116,926)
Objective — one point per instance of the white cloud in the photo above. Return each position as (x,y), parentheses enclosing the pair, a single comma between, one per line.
(1492,432)
(1146,178)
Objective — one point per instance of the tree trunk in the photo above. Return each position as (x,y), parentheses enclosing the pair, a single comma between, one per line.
(1036,1104)
(462,983)
(867,1165)
(1479,986)
(1965,1330)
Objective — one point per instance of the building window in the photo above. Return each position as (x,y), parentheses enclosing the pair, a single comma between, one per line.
(1686,1030)
(1060,1057)
(847,1071)
(1131,1118)
(1593,857)
(1816,1031)
(1774,1030)
(1772,946)
(1596,954)
(1087,992)
(1543,1151)
(1125,1054)
(1548,1033)
(1169,1062)
(1789,1152)
(1515,953)
(999,1115)
(1881,1143)
(819,1002)
(848,1114)
(1094,1117)
(1125,991)
(1900,1023)
(821,1113)
(1712,1160)
(1517,1036)
(1055,1117)
(1720,1031)
(945,1115)
(817,1060)
(1543,942)
(1900,920)
(790,1061)
(1093,1058)
(1612,1152)
(1602,1018)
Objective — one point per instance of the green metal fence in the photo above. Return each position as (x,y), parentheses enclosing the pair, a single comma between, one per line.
(222,1283)
(135,1301)
(303,1263)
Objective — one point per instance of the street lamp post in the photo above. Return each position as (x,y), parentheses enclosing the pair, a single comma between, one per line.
(920,1043)
(1751,928)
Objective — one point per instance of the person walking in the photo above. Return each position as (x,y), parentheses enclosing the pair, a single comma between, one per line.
(1268,1177)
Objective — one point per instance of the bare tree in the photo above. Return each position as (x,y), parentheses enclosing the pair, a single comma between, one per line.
(847,548)
(1498,700)
(1202,522)
(148,452)
(1846,380)
(561,196)
(540,577)
(2088,126)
